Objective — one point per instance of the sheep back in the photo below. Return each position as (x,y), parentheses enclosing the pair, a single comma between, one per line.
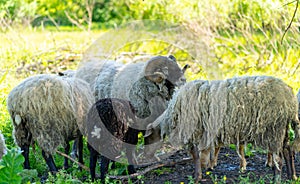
(50,108)
(255,109)
(88,71)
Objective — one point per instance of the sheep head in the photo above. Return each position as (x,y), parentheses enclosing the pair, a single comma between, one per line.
(161,68)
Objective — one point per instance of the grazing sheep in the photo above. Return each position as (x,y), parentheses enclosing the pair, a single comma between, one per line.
(2,146)
(47,109)
(109,126)
(109,130)
(140,82)
(257,110)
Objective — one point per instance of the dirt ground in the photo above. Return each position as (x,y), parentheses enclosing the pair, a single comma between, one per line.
(228,166)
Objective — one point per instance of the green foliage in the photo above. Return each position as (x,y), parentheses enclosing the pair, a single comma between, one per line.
(162,171)
(11,169)
(29,175)
(62,177)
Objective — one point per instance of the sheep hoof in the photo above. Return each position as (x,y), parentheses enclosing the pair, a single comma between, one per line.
(295,177)
(243,169)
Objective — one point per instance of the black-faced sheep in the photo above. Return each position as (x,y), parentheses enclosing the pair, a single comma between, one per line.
(109,130)
(257,110)
(2,146)
(47,109)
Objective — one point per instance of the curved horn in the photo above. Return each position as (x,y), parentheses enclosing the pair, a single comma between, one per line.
(156,69)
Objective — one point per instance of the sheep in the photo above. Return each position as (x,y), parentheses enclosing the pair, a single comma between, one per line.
(47,109)
(137,82)
(109,127)
(88,71)
(254,109)
(243,162)
(2,146)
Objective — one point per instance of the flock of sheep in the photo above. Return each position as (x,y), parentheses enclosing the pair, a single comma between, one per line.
(111,103)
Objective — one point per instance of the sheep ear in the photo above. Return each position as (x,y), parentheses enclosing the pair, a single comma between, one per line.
(157,77)
(172,58)
(185,67)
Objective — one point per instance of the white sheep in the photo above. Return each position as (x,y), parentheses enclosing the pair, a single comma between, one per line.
(257,110)
(47,109)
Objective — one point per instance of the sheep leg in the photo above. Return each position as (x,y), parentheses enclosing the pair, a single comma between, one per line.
(66,160)
(50,162)
(80,150)
(195,154)
(215,157)
(289,160)
(277,167)
(104,168)
(286,155)
(131,159)
(131,138)
(25,153)
(292,154)
(74,149)
(241,153)
(93,161)
(205,158)
(269,162)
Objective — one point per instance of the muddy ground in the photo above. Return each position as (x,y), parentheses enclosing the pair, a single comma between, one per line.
(228,165)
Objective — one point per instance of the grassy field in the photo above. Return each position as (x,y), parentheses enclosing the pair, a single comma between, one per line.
(241,52)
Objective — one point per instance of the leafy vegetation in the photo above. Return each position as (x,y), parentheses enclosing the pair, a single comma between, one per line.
(42,36)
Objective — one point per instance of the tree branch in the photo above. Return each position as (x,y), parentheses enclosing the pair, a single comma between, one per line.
(290,24)
(162,164)
(73,160)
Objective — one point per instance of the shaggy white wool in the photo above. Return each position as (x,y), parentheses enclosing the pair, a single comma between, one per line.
(257,109)
(50,108)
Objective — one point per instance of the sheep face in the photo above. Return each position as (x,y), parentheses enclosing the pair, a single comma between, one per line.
(164,71)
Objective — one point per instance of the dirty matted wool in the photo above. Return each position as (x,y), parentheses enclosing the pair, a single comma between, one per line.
(49,108)
(254,109)
(128,82)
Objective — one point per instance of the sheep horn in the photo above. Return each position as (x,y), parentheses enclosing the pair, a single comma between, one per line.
(157,68)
